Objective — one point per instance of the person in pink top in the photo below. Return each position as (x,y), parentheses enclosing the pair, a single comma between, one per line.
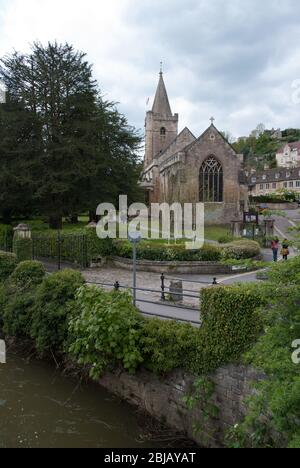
(275,248)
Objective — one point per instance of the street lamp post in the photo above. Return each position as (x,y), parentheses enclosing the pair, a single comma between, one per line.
(134,239)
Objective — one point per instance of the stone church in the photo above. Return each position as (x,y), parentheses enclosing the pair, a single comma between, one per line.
(181,168)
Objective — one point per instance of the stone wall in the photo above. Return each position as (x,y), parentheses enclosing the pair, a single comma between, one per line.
(197,268)
(163,399)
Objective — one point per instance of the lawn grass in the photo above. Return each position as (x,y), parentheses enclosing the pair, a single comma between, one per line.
(212,233)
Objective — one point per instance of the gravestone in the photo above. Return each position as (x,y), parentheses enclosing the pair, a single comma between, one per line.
(176,291)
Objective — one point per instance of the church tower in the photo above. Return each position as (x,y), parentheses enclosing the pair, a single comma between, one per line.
(161,125)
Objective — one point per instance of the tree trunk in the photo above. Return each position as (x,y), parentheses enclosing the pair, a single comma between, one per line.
(92,216)
(55,222)
(74,219)
(7,216)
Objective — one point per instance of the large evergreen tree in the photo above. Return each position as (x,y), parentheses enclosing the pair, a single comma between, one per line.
(20,150)
(87,151)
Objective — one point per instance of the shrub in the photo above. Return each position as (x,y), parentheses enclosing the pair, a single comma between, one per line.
(240,250)
(53,307)
(231,324)
(273,411)
(77,247)
(164,252)
(71,247)
(98,248)
(6,237)
(20,298)
(285,273)
(23,249)
(167,345)
(107,331)
(8,263)
(225,239)
(17,312)
(28,273)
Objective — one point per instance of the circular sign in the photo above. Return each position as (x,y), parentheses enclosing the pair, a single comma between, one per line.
(134,237)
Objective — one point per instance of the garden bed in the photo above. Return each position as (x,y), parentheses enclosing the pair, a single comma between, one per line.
(198,268)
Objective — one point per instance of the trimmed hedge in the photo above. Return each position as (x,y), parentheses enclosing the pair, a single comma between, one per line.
(8,263)
(6,237)
(23,249)
(241,250)
(168,345)
(166,253)
(232,323)
(81,248)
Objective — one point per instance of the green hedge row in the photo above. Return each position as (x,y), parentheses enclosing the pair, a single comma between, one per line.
(6,237)
(81,248)
(209,253)
(23,249)
(84,247)
(175,253)
(8,263)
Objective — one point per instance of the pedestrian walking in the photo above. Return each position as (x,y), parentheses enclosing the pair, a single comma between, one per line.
(285,252)
(275,248)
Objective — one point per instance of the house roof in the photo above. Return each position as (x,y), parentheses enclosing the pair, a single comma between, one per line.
(294,145)
(274,175)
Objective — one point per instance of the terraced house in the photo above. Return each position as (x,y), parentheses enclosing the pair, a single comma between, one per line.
(271,180)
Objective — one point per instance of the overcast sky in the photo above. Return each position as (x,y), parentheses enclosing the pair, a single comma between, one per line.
(233,59)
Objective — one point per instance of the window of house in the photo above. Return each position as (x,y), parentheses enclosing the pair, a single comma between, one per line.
(298,184)
(267,186)
(261,186)
(291,184)
(211,182)
(285,184)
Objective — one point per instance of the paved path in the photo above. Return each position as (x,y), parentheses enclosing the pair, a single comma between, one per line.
(149,300)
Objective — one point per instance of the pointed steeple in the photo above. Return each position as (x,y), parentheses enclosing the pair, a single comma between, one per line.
(161,103)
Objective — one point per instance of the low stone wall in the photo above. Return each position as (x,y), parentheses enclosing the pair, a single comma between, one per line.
(162,398)
(281,206)
(198,268)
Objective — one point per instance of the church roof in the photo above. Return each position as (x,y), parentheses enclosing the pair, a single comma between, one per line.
(161,103)
(212,127)
(179,143)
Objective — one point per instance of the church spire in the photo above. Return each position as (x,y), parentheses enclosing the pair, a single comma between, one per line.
(161,102)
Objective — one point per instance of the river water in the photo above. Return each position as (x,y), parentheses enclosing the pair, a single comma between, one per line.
(39,407)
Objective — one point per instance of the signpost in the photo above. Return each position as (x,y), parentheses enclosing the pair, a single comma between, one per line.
(134,239)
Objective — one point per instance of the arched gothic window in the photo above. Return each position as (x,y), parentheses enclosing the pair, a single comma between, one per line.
(211,181)
(163,132)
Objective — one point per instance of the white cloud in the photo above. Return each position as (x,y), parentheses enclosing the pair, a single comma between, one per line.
(230,58)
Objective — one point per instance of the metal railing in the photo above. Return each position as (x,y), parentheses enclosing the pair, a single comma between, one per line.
(162,293)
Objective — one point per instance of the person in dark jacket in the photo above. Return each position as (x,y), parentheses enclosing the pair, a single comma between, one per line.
(285,252)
